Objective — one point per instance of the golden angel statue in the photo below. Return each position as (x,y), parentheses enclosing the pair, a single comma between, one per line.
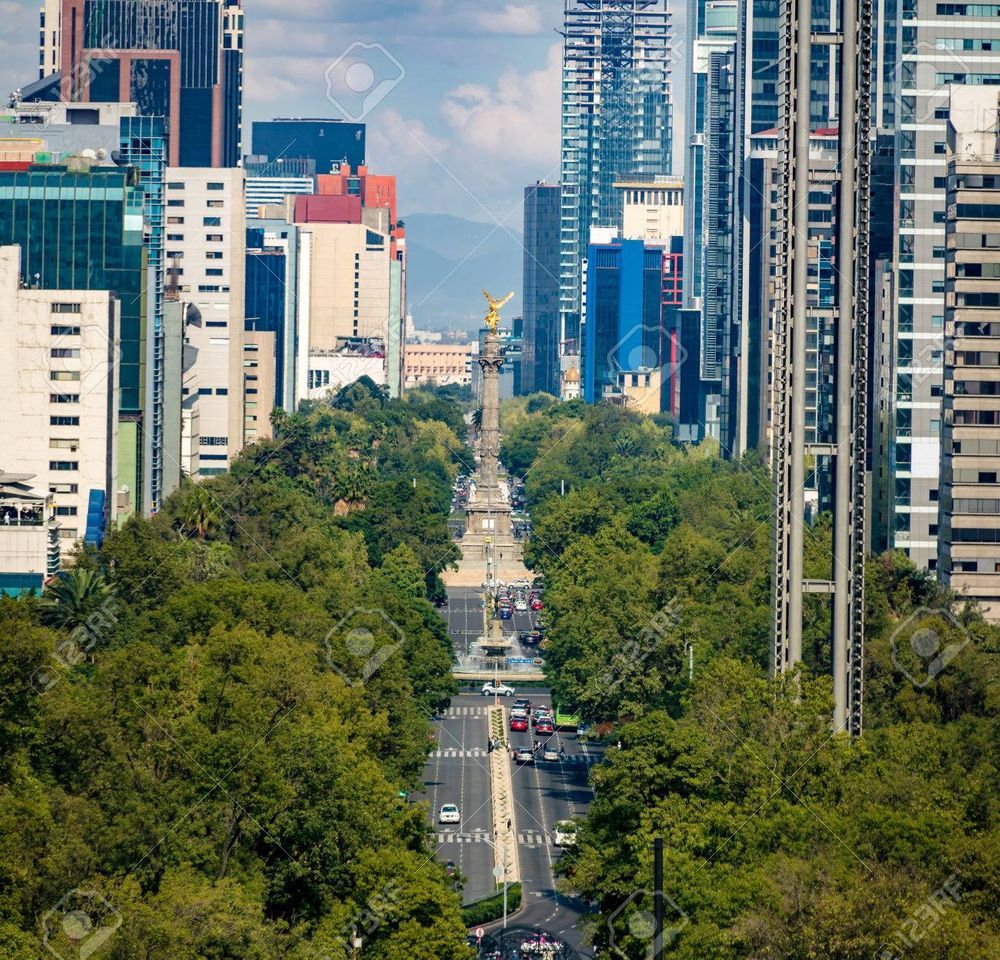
(493,316)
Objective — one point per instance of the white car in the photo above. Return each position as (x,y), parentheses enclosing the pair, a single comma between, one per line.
(565,833)
(500,691)
(520,604)
(449,813)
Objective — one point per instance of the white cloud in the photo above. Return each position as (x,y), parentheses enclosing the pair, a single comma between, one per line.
(397,142)
(518,118)
(515,18)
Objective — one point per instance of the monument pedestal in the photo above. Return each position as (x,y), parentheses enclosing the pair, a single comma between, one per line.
(489,532)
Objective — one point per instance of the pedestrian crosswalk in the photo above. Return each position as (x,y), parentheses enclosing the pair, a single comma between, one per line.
(528,838)
(479,752)
(452,713)
(470,837)
(534,839)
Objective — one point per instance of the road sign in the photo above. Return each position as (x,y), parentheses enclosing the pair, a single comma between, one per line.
(480,933)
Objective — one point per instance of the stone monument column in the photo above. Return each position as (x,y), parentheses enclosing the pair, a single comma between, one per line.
(490,360)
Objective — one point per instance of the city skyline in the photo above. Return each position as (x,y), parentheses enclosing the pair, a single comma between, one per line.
(472,122)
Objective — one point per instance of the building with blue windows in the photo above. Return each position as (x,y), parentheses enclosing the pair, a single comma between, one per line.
(271,300)
(326,142)
(624,341)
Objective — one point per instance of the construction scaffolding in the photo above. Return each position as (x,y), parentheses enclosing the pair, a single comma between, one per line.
(790,447)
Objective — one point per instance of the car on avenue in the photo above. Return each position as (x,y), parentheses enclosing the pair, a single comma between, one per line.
(524,756)
(551,755)
(565,833)
(544,726)
(501,690)
(519,723)
(449,813)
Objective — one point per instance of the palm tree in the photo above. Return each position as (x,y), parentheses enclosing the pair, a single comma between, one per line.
(73,596)
(201,512)
(477,419)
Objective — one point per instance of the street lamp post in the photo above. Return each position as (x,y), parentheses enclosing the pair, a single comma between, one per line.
(498,872)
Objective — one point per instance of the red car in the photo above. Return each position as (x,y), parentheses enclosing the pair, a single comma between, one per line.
(544,726)
(536,604)
(519,723)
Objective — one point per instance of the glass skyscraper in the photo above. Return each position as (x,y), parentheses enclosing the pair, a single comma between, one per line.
(540,359)
(616,124)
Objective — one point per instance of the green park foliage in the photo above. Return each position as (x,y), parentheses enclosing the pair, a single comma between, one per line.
(209,721)
(782,841)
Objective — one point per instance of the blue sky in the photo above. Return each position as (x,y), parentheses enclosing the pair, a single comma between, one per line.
(473,118)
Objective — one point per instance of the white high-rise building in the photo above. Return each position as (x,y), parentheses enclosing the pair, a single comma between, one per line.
(58,396)
(205,254)
(940,44)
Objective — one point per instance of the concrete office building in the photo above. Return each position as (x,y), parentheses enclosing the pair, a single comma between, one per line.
(329,372)
(206,269)
(440,363)
(258,384)
(377,193)
(540,288)
(59,396)
(940,44)
(969,508)
(49,38)
(348,284)
(616,123)
(652,210)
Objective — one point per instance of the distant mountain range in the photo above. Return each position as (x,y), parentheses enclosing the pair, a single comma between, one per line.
(450,260)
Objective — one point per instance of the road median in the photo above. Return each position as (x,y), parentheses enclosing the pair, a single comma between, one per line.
(502,791)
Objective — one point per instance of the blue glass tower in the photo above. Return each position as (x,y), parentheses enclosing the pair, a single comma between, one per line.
(623,332)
